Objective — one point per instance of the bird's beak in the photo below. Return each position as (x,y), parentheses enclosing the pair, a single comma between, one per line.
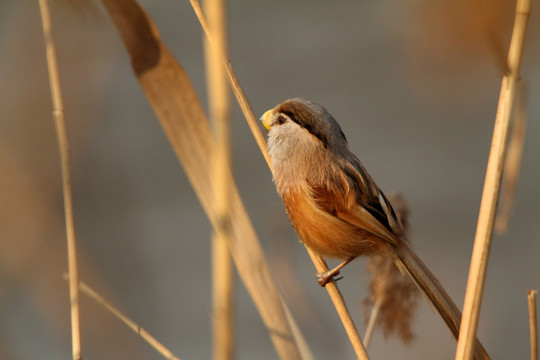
(266,120)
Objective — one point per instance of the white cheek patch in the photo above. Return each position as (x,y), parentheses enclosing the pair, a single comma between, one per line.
(290,142)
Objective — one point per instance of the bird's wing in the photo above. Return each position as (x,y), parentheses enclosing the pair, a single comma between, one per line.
(366,219)
(358,201)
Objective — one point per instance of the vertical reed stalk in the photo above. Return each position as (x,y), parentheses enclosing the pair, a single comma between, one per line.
(492,184)
(63,143)
(219,110)
(531,297)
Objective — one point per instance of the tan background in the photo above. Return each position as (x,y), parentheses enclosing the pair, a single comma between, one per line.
(415,86)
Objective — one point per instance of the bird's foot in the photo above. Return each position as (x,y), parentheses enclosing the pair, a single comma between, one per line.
(325,277)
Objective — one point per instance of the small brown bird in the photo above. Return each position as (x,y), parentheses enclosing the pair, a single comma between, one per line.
(333,203)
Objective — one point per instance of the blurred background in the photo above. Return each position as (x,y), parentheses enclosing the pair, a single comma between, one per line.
(415,86)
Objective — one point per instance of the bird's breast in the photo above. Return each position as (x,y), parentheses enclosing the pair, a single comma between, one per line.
(323,232)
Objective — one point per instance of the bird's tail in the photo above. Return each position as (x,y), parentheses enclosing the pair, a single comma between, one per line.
(434,291)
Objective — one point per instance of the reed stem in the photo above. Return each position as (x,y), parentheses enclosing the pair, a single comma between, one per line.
(219,113)
(492,185)
(63,144)
(531,297)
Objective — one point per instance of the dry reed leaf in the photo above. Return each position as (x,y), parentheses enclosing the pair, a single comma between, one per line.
(180,113)
(393,295)
(464,28)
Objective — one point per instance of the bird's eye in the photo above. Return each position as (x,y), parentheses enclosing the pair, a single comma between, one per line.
(281,119)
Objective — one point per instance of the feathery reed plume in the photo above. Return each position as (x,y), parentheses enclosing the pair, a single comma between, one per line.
(392,300)
(393,295)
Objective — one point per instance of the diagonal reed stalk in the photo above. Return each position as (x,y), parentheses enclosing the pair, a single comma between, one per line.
(318,260)
(531,299)
(341,307)
(63,144)
(235,85)
(219,113)
(370,328)
(152,341)
(492,184)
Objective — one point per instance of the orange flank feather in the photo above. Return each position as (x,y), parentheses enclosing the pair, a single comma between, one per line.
(325,233)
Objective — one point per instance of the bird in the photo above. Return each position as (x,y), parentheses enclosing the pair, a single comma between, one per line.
(335,206)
